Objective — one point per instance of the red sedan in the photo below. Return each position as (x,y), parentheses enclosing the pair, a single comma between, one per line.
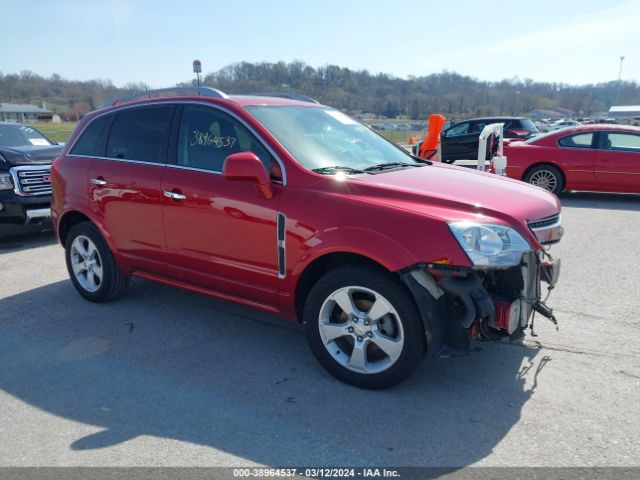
(599,158)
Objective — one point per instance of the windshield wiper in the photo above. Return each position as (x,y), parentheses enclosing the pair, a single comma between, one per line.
(420,160)
(337,168)
(384,166)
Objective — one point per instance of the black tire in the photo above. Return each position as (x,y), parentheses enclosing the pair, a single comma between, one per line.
(389,287)
(113,282)
(553,174)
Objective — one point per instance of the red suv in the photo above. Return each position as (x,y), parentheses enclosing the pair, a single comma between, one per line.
(295,208)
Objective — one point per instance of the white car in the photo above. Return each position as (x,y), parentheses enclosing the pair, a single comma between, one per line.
(564,124)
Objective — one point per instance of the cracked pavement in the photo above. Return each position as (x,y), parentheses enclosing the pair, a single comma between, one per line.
(167,377)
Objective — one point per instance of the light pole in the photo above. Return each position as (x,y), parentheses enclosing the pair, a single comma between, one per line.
(622,57)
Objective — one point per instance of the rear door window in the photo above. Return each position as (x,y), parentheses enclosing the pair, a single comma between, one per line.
(581,140)
(93,139)
(137,134)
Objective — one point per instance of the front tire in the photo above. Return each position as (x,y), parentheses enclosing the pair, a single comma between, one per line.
(546,176)
(91,266)
(363,327)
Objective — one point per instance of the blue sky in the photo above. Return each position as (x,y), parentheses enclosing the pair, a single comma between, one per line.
(572,41)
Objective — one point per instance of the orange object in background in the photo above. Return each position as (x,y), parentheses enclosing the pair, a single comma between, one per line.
(432,138)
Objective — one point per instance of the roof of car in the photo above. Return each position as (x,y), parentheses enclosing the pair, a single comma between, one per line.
(252,100)
(240,100)
(492,118)
(597,126)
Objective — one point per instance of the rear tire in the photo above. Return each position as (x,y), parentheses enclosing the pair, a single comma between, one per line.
(91,265)
(546,176)
(363,327)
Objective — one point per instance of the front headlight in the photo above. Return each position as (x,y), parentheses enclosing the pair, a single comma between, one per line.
(490,245)
(5,181)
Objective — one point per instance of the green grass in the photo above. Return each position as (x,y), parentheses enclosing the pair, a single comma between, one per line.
(58,132)
(400,136)
(391,120)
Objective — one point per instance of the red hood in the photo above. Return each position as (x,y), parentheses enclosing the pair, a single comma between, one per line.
(453,193)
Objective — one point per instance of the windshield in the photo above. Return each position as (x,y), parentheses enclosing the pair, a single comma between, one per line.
(21,136)
(321,138)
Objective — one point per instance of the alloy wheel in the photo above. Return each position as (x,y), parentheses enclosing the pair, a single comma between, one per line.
(361,330)
(544,179)
(86,263)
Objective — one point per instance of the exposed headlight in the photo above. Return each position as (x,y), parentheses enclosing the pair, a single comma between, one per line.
(5,182)
(490,245)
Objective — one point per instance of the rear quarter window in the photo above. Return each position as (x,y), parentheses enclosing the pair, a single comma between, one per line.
(580,140)
(93,139)
(527,124)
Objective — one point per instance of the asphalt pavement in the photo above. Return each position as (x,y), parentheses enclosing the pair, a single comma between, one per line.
(167,377)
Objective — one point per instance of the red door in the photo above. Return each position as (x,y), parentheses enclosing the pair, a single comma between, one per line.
(126,196)
(575,154)
(220,234)
(618,161)
(124,187)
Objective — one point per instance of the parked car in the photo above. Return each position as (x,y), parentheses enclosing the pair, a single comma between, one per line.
(25,166)
(542,127)
(460,141)
(601,158)
(296,208)
(565,123)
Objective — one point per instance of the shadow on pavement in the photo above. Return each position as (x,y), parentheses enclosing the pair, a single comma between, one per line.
(18,237)
(172,364)
(606,201)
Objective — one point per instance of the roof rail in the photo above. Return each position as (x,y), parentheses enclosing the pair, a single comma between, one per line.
(166,92)
(290,95)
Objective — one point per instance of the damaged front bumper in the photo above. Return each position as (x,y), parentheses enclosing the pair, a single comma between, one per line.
(459,304)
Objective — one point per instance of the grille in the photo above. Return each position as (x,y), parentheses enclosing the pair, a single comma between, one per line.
(548,230)
(32,181)
(544,222)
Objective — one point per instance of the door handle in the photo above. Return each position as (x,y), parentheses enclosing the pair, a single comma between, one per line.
(174,195)
(98,181)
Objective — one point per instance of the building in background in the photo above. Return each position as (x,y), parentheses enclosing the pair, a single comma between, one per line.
(13,112)
(625,111)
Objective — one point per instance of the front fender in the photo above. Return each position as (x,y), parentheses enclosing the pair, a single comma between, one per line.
(374,245)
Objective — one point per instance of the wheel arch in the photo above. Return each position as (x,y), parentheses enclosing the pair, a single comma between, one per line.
(68,221)
(70,218)
(323,264)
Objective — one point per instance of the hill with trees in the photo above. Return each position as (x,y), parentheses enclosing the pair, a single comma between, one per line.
(449,93)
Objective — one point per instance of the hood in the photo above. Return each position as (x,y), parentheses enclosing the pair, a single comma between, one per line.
(30,155)
(458,193)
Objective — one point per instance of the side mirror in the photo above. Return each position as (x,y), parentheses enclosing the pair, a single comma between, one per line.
(246,166)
